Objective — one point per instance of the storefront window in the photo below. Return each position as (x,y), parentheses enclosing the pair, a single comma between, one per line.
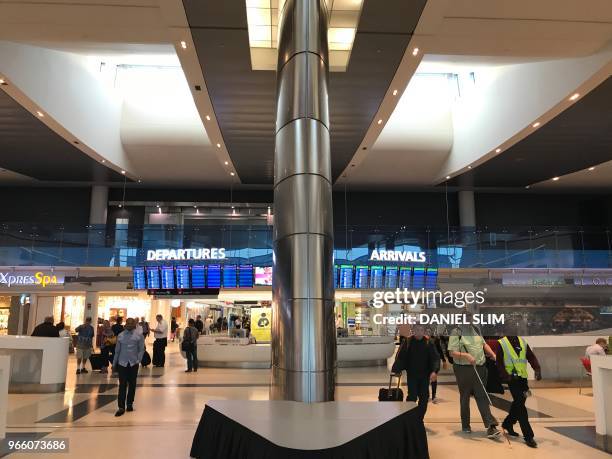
(110,307)
(70,310)
(5,305)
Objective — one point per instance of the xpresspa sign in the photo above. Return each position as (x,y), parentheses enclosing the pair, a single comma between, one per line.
(30,278)
(397,255)
(214,253)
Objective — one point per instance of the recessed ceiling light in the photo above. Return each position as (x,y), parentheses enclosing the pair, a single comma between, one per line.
(120,205)
(469,167)
(527,187)
(123,172)
(158,206)
(139,181)
(207,117)
(574,96)
(379,121)
(232,174)
(415,51)
(184,45)
(2,81)
(555,179)
(395,92)
(498,150)
(592,168)
(226,163)
(40,114)
(536,124)
(447,177)
(218,145)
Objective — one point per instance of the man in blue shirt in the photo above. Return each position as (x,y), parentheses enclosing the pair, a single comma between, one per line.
(128,355)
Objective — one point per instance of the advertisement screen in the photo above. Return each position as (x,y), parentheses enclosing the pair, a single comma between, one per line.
(261,323)
(140,282)
(182,277)
(391,277)
(376,277)
(346,276)
(214,276)
(263,275)
(153,277)
(245,276)
(229,276)
(198,277)
(361,277)
(167,277)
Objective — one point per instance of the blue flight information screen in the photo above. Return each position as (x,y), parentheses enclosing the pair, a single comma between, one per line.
(214,276)
(418,279)
(229,276)
(198,277)
(182,277)
(140,281)
(346,276)
(404,277)
(391,277)
(167,277)
(376,277)
(245,276)
(431,279)
(361,277)
(336,271)
(153,278)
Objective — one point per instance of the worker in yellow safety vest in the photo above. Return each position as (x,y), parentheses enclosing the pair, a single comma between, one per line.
(513,354)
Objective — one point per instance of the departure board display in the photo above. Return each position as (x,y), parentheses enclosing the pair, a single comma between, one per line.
(391,277)
(431,279)
(182,277)
(167,277)
(140,281)
(198,277)
(376,277)
(213,279)
(336,271)
(404,277)
(361,277)
(263,275)
(153,277)
(346,276)
(245,276)
(418,278)
(229,276)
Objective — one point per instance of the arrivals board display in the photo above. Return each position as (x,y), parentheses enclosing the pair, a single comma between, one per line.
(404,277)
(140,279)
(229,276)
(167,277)
(391,277)
(153,277)
(245,276)
(418,278)
(376,277)
(345,279)
(182,277)
(198,276)
(361,277)
(431,279)
(213,278)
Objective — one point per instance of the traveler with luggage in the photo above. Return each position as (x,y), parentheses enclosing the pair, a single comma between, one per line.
(418,357)
(189,346)
(84,345)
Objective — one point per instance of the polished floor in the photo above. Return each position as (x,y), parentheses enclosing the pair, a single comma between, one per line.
(169,404)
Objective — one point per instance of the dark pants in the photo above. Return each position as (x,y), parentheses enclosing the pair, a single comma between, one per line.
(434,389)
(518,411)
(418,388)
(192,357)
(469,384)
(127,380)
(159,351)
(106,359)
(110,353)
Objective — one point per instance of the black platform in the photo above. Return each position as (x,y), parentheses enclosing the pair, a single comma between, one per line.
(280,429)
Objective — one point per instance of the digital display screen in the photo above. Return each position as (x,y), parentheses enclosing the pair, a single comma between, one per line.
(346,276)
(418,278)
(391,277)
(263,275)
(336,271)
(140,281)
(404,277)
(167,277)
(153,277)
(245,276)
(361,277)
(214,276)
(182,277)
(198,277)
(229,276)
(376,277)
(431,279)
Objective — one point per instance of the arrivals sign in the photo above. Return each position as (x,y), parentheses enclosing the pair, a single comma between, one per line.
(397,255)
(213,253)
(30,278)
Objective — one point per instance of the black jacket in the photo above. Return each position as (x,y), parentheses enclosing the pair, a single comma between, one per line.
(46,330)
(418,357)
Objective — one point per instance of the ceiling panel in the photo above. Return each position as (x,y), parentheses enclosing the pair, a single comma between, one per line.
(244,99)
(30,148)
(578,138)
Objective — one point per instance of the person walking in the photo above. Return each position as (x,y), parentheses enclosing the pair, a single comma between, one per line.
(146,330)
(107,341)
(173,328)
(46,329)
(128,355)
(161,341)
(512,357)
(199,325)
(418,357)
(468,349)
(189,345)
(436,341)
(84,345)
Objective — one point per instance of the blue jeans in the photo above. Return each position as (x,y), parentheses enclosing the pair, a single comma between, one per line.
(192,357)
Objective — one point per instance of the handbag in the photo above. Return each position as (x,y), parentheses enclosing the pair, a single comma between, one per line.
(186,344)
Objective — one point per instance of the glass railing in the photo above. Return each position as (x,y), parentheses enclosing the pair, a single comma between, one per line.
(128,245)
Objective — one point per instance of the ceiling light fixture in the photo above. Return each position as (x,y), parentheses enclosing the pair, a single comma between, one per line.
(158,206)
(574,96)
(184,44)
(395,92)
(555,179)
(592,168)
(40,114)
(232,174)
(536,124)
(527,187)
(207,117)
(218,145)
(139,181)
(469,167)
(498,150)
(415,51)
(2,81)
(379,121)
(447,177)
(226,163)
(103,161)
(123,172)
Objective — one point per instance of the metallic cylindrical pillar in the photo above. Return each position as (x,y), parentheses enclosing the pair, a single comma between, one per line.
(467,209)
(99,204)
(303,334)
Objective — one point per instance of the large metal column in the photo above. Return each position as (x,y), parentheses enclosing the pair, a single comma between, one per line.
(303,334)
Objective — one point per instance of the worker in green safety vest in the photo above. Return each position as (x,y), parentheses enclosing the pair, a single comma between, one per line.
(513,354)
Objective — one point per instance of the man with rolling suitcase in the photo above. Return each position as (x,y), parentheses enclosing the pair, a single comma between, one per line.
(419,358)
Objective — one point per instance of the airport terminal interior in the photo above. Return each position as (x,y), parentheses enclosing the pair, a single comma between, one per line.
(306,229)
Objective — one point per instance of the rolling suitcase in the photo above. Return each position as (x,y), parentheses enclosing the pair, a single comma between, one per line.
(97,362)
(388,394)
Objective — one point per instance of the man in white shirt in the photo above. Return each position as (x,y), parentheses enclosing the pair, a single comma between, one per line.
(161,341)
(599,348)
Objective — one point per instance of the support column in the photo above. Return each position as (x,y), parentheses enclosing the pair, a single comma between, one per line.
(99,205)
(467,209)
(303,333)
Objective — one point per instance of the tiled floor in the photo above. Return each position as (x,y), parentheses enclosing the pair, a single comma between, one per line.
(169,404)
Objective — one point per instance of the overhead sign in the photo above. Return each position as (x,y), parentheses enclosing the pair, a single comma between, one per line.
(213,253)
(397,255)
(30,278)
(605,281)
(532,280)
